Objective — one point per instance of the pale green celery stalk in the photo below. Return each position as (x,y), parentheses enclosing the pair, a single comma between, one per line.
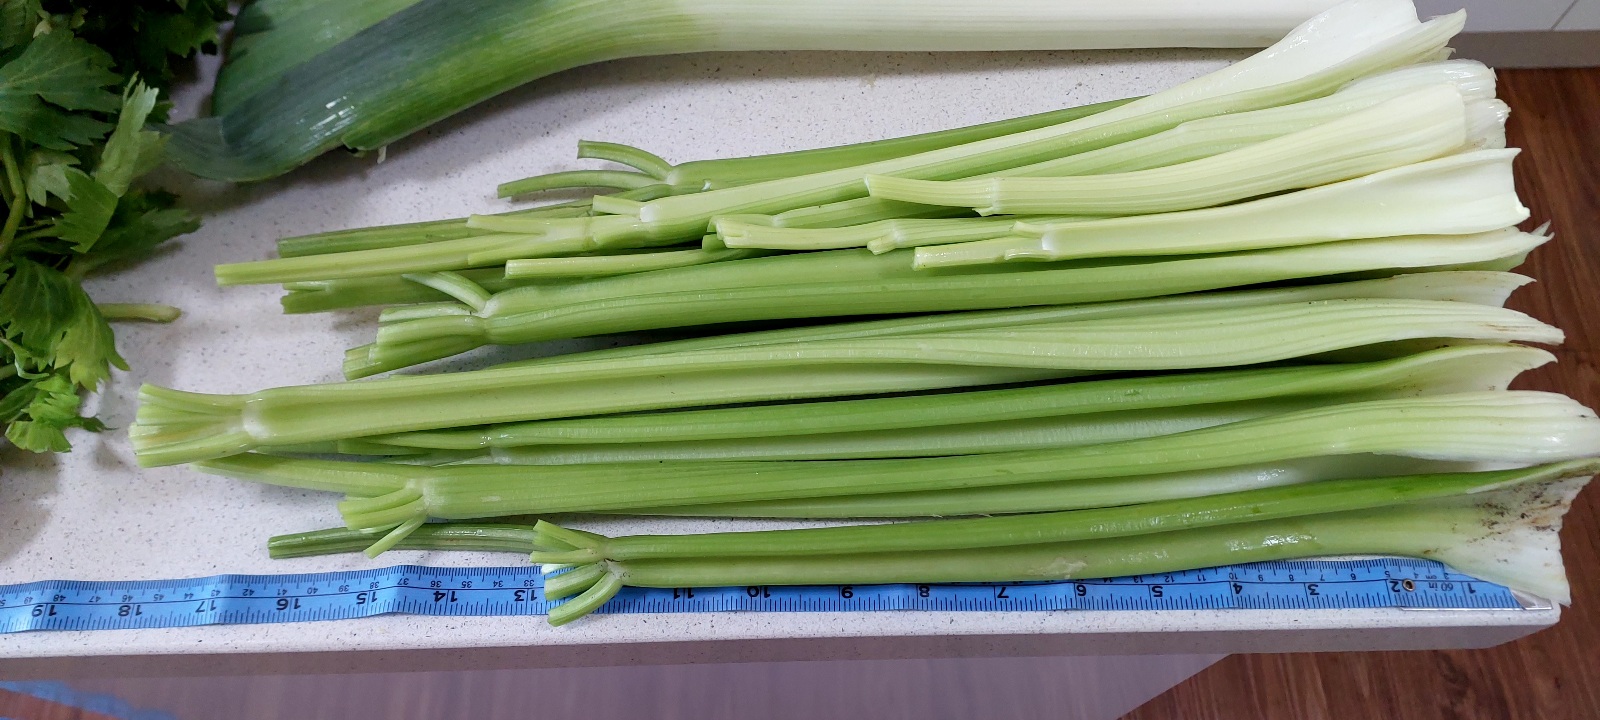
(738,231)
(751,272)
(1508,535)
(938,441)
(1481,287)
(608,265)
(430,60)
(328,295)
(144,312)
(1156,517)
(643,161)
(1313,61)
(178,427)
(387,236)
(1475,367)
(783,269)
(1074,494)
(1422,125)
(1198,139)
(1228,506)
(492,537)
(1194,140)
(742,171)
(860,211)
(480,537)
(1507,427)
(573,179)
(1467,193)
(383,251)
(1298,68)
(404,344)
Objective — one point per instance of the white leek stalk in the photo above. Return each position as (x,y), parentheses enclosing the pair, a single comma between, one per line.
(400,66)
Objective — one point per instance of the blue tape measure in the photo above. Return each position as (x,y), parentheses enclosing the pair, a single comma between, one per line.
(416,590)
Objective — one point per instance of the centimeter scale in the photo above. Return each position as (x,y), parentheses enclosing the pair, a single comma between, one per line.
(418,590)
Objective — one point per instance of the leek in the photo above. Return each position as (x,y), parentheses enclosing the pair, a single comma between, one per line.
(429,60)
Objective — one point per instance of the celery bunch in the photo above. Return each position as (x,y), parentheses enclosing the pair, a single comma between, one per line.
(1259,315)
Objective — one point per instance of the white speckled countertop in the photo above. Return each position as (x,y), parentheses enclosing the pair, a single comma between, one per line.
(93,515)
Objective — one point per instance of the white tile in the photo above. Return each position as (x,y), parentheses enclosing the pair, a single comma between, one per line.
(1501,15)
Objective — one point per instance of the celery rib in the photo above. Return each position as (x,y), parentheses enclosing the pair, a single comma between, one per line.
(1456,529)
(1520,427)
(609,265)
(1480,287)
(573,179)
(1468,193)
(1470,367)
(1075,525)
(527,315)
(1420,126)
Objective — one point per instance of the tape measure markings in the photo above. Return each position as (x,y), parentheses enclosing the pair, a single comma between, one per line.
(512,591)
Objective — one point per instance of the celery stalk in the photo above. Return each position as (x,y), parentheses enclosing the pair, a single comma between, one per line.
(1480,287)
(1475,530)
(485,537)
(1422,125)
(1202,138)
(1453,369)
(1467,193)
(934,441)
(328,295)
(743,231)
(855,282)
(608,265)
(180,427)
(1164,516)
(1072,494)
(1511,427)
(745,170)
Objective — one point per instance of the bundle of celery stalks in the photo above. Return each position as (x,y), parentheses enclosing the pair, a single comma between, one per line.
(1256,316)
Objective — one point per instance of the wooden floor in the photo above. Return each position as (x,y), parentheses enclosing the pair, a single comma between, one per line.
(1552,675)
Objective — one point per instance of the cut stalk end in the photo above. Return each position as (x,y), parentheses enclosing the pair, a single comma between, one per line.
(589,601)
(174,427)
